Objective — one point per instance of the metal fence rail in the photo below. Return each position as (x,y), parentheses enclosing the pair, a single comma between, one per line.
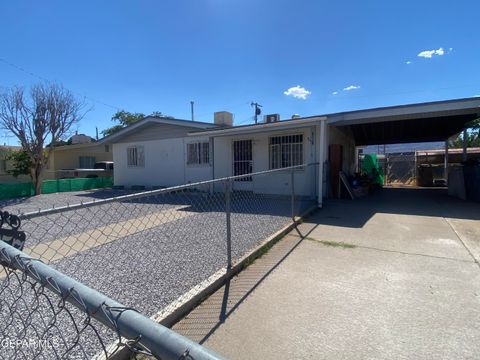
(146,249)
(39,334)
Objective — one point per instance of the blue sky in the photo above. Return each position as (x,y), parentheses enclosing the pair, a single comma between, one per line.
(146,55)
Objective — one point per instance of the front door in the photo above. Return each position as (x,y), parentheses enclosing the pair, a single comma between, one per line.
(242,164)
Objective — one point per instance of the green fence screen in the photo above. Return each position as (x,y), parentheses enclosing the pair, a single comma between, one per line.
(11,191)
(370,166)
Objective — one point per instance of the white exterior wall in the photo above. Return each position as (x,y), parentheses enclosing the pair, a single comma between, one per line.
(165,164)
(276,183)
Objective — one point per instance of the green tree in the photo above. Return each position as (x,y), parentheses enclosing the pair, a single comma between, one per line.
(473,136)
(126,118)
(21,162)
(472,141)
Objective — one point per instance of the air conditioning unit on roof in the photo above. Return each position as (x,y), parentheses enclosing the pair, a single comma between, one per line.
(271,118)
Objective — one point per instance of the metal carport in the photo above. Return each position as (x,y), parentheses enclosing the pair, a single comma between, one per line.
(422,122)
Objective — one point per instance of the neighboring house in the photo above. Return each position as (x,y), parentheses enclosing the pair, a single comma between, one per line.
(81,139)
(164,152)
(77,156)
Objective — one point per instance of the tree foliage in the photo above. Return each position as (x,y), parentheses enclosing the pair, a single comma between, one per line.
(21,163)
(473,136)
(45,116)
(126,118)
(473,140)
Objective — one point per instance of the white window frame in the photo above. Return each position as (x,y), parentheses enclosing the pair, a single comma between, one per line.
(198,153)
(285,151)
(135,156)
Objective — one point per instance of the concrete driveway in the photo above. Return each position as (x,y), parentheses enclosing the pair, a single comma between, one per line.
(391,276)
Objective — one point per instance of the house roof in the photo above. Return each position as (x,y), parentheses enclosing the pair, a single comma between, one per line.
(77,146)
(149,120)
(412,111)
(421,122)
(255,128)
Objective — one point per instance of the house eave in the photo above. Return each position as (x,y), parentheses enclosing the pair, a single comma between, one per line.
(155,120)
(258,128)
(407,111)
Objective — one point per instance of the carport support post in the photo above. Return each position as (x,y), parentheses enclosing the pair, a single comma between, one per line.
(465,143)
(321,148)
(292,189)
(228,188)
(446,161)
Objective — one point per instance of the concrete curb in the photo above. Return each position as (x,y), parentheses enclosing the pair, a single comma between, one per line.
(182,306)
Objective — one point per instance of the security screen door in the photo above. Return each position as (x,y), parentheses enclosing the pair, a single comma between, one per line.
(242,163)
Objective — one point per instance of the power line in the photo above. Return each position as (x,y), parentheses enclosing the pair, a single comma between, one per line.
(17,67)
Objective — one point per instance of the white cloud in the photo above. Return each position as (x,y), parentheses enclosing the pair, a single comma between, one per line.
(408,62)
(297,92)
(428,54)
(351,87)
(335,93)
(476,95)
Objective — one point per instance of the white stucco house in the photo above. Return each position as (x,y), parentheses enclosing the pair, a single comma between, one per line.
(153,152)
(166,152)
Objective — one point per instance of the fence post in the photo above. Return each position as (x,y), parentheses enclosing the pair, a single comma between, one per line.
(292,186)
(228,190)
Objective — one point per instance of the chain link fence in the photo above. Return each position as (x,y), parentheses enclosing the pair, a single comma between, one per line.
(409,169)
(143,249)
(47,315)
(400,169)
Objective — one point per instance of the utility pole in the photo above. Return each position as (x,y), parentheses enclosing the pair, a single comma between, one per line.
(191,106)
(258,111)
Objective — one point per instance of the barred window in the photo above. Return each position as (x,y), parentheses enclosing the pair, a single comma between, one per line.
(135,156)
(286,151)
(198,153)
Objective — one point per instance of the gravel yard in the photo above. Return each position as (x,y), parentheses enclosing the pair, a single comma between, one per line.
(47,201)
(177,241)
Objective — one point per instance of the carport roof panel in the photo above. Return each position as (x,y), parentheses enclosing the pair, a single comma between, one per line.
(434,121)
